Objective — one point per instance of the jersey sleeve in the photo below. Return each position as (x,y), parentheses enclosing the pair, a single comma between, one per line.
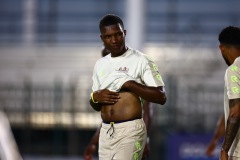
(95,79)
(151,75)
(232,82)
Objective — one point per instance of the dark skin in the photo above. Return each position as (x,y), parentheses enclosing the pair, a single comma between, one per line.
(110,103)
(230,53)
(219,132)
(125,104)
(147,117)
(91,147)
(113,37)
(233,124)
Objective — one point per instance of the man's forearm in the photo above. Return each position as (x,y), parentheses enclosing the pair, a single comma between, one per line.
(220,129)
(147,114)
(95,106)
(231,131)
(95,138)
(152,94)
(233,123)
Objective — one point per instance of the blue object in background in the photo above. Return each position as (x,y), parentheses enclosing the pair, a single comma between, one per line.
(190,147)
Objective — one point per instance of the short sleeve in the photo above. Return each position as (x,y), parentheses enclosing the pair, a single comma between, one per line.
(151,75)
(95,79)
(232,82)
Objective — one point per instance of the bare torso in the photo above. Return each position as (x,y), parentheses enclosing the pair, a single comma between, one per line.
(128,107)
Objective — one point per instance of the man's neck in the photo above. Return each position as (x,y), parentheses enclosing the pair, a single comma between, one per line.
(121,53)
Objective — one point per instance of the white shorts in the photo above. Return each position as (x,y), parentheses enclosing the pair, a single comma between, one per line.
(122,141)
(233,158)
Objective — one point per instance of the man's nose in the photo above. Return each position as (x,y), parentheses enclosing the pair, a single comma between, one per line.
(114,39)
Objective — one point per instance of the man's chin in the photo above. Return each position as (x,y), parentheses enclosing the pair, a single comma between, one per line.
(116,52)
(228,63)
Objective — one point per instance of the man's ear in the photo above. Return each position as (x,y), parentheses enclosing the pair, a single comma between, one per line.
(125,32)
(221,47)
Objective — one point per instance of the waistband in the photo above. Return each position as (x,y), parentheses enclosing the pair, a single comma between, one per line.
(120,121)
(123,124)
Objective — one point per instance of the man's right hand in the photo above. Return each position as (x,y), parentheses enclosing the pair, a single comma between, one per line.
(106,96)
(146,151)
(89,151)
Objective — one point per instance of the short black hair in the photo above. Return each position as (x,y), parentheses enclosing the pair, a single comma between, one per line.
(110,19)
(230,35)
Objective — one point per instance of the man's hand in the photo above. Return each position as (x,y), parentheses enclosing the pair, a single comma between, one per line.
(223,155)
(106,96)
(89,151)
(211,147)
(218,133)
(146,151)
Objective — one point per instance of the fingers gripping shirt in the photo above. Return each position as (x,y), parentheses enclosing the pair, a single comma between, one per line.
(111,73)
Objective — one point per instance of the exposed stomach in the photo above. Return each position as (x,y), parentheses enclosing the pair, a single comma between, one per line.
(128,107)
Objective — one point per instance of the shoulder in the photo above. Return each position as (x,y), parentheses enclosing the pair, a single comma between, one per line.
(235,67)
(139,55)
(102,60)
(233,71)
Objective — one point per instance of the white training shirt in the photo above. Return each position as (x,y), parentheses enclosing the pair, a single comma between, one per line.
(112,72)
(232,91)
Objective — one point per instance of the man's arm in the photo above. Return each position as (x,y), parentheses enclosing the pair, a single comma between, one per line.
(147,114)
(218,133)
(147,117)
(91,147)
(103,97)
(152,94)
(232,127)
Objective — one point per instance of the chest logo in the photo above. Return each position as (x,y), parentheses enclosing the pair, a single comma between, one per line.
(123,69)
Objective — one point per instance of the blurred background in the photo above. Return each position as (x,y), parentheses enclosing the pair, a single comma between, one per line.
(48,49)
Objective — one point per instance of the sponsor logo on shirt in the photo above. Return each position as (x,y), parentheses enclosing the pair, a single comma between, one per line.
(123,69)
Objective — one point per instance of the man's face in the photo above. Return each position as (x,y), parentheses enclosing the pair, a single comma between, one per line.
(113,37)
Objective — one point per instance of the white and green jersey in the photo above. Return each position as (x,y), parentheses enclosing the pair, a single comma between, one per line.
(232,91)
(112,72)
